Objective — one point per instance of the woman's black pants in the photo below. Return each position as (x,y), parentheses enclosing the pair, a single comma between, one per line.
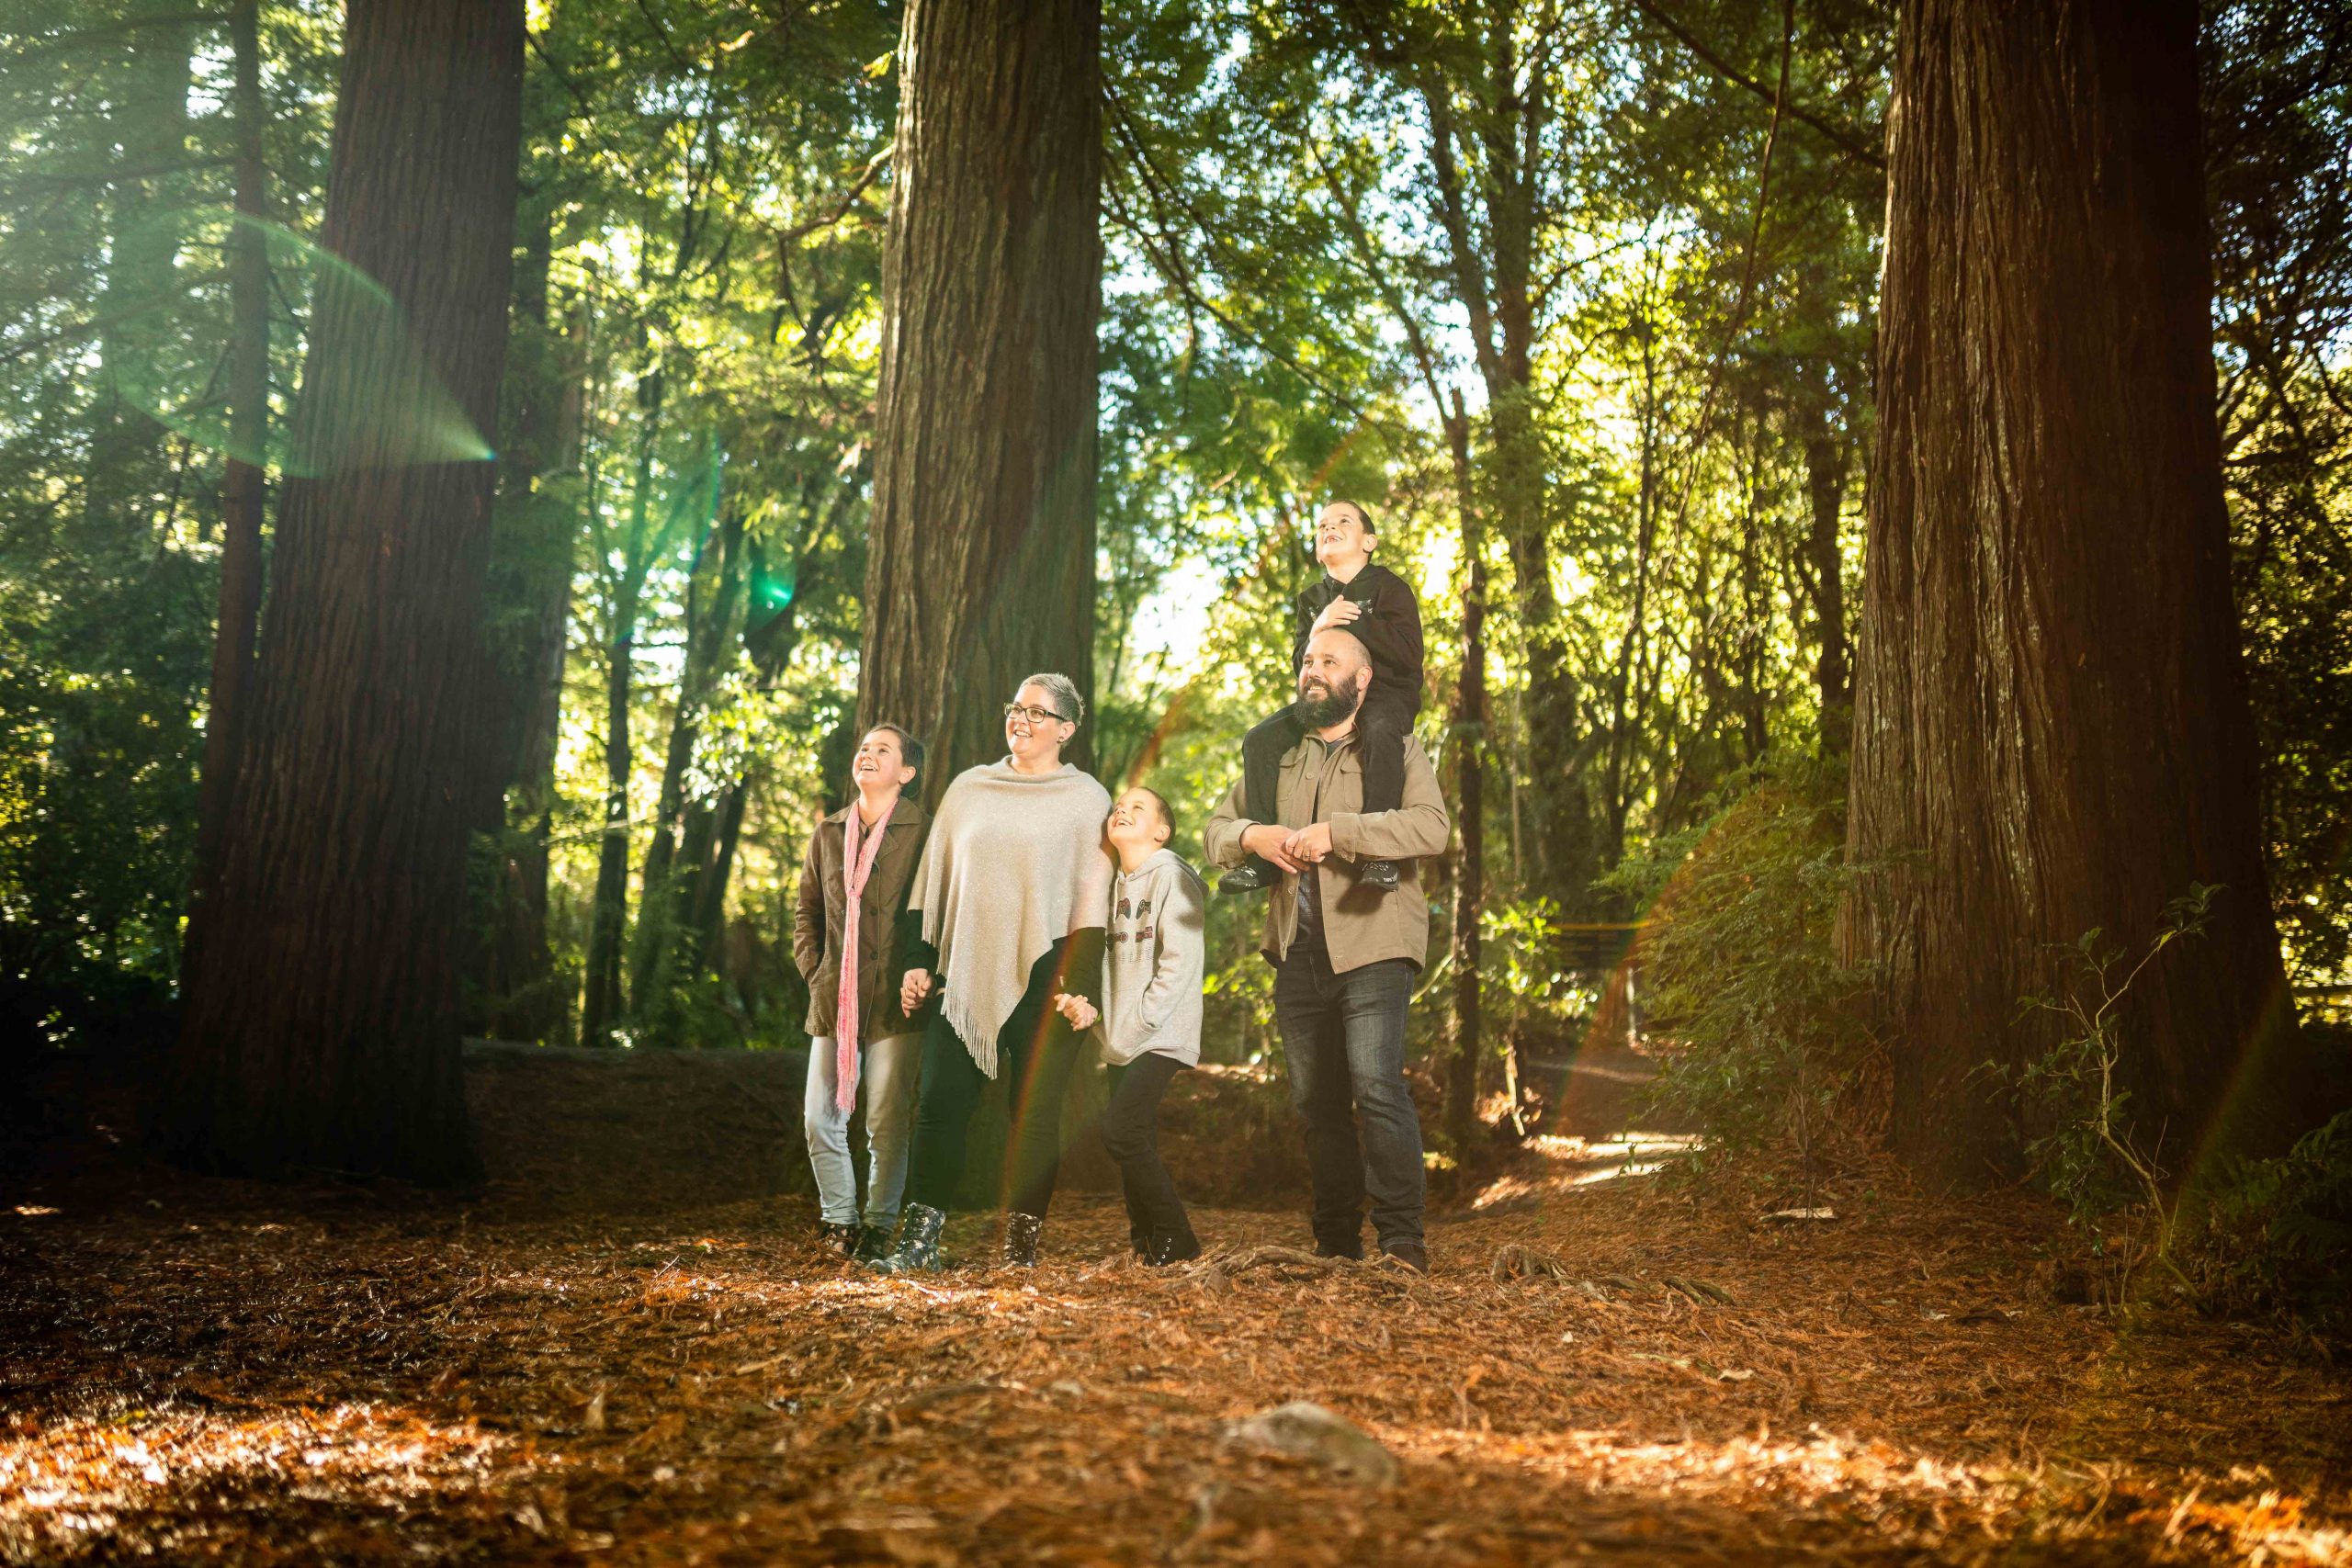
(1036,1051)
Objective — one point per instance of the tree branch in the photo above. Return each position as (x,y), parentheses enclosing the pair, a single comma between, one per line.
(1840,137)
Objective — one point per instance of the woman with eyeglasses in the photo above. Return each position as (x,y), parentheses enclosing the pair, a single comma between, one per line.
(1013,893)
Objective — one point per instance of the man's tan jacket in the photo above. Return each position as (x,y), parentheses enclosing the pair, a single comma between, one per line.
(1323,783)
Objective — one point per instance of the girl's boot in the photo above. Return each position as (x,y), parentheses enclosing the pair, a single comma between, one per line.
(918,1248)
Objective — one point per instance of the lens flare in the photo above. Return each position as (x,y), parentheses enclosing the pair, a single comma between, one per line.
(377,405)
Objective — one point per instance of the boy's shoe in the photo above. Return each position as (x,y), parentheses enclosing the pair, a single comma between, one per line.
(1380,873)
(873,1243)
(839,1238)
(1411,1253)
(1172,1247)
(1251,876)
(1335,1249)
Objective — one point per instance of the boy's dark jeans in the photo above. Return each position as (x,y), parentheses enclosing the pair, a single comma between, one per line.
(1036,1051)
(1343,1039)
(1381,724)
(1131,1136)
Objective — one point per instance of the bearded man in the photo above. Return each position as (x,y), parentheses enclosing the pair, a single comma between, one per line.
(1345,954)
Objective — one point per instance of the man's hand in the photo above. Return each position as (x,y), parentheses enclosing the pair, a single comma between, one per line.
(1077,1010)
(1272,844)
(1310,843)
(913,989)
(1340,612)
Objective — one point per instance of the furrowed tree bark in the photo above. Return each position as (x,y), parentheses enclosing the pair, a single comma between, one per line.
(243,496)
(980,561)
(321,1021)
(2052,731)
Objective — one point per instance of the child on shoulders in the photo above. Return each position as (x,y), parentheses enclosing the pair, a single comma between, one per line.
(1373,602)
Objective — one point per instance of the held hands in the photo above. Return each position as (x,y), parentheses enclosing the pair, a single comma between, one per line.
(1077,1010)
(1340,611)
(1269,843)
(1309,844)
(913,989)
(1291,850)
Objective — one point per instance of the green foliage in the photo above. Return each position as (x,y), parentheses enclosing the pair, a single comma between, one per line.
(2277,1234)
(1756,1021)
(2089,1155)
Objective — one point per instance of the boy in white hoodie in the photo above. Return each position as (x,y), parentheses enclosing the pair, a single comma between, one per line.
(1153,963)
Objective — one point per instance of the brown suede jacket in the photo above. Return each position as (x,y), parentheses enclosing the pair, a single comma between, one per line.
(823,907)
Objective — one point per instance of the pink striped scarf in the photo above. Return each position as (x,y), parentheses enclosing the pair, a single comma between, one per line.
(855,869)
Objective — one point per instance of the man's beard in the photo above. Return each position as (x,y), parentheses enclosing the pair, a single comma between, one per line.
(1337,704)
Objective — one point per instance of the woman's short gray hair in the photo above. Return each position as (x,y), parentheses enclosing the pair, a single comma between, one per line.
(1063,690)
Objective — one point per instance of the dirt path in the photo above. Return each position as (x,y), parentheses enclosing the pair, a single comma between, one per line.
(210,1372)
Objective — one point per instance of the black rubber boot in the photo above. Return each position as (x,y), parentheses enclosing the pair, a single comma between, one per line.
(1380,873)
(1021,1240)
(1172,1247)
(1252,875)
(873,1243)
(918,1248)
(837,1238)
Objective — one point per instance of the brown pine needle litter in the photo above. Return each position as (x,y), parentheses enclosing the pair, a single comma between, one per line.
(199,1371)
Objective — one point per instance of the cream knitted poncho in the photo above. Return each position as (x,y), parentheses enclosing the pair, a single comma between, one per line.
(1015,863)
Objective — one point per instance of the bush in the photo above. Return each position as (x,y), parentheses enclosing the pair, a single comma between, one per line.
(2275,1235)
(1759,1028)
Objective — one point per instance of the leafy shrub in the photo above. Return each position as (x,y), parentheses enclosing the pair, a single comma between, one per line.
(2088,1155)
(1759,1026)
(2275,1235)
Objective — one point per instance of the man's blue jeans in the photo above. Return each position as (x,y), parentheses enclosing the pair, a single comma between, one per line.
(1344,1037)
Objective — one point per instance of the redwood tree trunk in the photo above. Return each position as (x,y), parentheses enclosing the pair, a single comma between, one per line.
(243,494)
(2052,731)
(980,564)
(1825,576)
(320,1022)
(601,999)
(515,995)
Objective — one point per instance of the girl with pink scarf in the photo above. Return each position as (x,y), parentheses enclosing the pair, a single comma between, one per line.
(850,941)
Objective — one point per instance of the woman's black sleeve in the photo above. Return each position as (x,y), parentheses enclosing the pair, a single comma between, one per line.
(1082,964)
(913,952)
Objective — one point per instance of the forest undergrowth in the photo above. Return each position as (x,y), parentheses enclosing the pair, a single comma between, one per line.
(625,1367)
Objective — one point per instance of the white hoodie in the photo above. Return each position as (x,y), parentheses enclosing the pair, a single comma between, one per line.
(1154,958)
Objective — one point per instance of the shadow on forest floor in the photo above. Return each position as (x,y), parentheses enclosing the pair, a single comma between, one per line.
(212,1370)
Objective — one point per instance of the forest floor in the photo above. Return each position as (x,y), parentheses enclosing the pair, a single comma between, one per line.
(620,1369)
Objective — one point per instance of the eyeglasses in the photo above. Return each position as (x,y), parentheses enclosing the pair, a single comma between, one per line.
(1034,716)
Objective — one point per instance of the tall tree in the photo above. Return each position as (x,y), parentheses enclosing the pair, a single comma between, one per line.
(980,561)
(1492,101)
(512,990)
(321,1021)
(2052,731)
(601,999)
(243,497)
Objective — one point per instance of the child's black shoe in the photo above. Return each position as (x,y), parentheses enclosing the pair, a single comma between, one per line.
(1252,875)
(1380,873)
